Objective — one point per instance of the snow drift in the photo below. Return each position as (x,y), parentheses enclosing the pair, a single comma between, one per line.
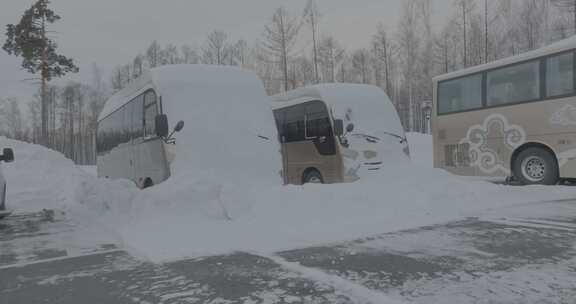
(162,224)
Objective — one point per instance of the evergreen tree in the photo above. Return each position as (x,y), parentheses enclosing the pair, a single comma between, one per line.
(28,40)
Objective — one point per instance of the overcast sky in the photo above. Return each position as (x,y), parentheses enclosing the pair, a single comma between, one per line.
(112,32)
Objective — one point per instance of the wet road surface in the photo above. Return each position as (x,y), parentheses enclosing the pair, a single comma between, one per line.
(524,254)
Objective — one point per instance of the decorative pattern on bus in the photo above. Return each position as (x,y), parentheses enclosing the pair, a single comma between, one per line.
(482,154)
(565,116)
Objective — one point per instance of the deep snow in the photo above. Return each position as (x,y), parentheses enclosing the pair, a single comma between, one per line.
(202,218)
(421,149)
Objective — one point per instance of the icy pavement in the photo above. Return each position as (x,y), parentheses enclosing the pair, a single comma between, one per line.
(525,254)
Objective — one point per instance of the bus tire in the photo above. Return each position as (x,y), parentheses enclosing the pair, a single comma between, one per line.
(536,166)
(312,176)
(148,183)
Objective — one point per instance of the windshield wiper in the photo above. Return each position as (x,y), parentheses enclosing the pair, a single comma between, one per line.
(375,139)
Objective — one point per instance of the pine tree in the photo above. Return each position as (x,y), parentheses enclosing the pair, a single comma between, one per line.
(28,40)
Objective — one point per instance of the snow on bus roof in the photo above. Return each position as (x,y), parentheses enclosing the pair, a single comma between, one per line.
(371,106)
(322,92)
(557,47)
(179,75)
(126,94)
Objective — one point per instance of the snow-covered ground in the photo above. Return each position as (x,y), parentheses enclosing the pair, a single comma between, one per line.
(421,149)
(195,218)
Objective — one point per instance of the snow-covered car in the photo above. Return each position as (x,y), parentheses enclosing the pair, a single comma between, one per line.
(7,156)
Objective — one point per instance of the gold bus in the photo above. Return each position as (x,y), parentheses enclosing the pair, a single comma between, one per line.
(514,117)
(335,133)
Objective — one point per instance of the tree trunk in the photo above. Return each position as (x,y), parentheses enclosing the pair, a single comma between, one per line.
(316,77)
(44,72)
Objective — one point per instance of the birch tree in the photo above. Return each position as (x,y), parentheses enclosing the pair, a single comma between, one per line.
(312,17)
(279,40)
(330,55)
(215,48)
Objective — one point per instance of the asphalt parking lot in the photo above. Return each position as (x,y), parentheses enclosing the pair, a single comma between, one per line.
(525,254)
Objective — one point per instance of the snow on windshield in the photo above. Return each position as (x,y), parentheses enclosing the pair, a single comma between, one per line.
(367,107)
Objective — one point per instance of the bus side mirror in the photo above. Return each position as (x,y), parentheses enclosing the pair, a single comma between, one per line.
(161,125)
(7,155)
(179,126)
(349,128)
(338,127)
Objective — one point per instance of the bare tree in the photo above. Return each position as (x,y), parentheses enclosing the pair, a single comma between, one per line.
(154,54)
(137,66)
(189,55)
(330,55)
(34,113)
(171,55)
(280,38)
(11,118)
(569,5)
(466,7)
(409,44)
(532,21)
(312,16)
(215,48)
(360,64)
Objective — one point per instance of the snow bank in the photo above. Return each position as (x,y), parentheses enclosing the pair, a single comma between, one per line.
(229,135)
(39,178)
(421,149)
(199,218)
(272,219)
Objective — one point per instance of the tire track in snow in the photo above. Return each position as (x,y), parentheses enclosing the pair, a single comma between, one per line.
(361,294)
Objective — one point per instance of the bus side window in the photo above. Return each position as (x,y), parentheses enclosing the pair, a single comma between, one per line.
(150,112)
(279,118)
(560,75)
(137,109)
(294,124)
(317,120)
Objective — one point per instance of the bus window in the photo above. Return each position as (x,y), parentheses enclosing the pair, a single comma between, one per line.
(560,75)
(150,112)
(294,124)
(518,83)
(317,120)
(102,137)
(137,110)
(460,94)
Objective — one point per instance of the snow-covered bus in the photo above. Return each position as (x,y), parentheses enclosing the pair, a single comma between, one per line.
(514,117)
(334,133)
(225,128)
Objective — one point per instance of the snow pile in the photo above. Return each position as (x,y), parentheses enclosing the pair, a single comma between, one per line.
(184,218)
(421,149)
(39,178)
(270,219)
(229,135)
(43,179)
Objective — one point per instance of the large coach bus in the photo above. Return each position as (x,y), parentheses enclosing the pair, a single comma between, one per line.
(336,132)
(221,113)
(513,118)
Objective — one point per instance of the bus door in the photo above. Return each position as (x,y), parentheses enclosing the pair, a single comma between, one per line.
(318,130)
(137,131)
(151,156)
(280,118)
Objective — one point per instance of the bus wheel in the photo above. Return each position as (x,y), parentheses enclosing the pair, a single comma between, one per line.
(148,183)
(313,177)
(536,166)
